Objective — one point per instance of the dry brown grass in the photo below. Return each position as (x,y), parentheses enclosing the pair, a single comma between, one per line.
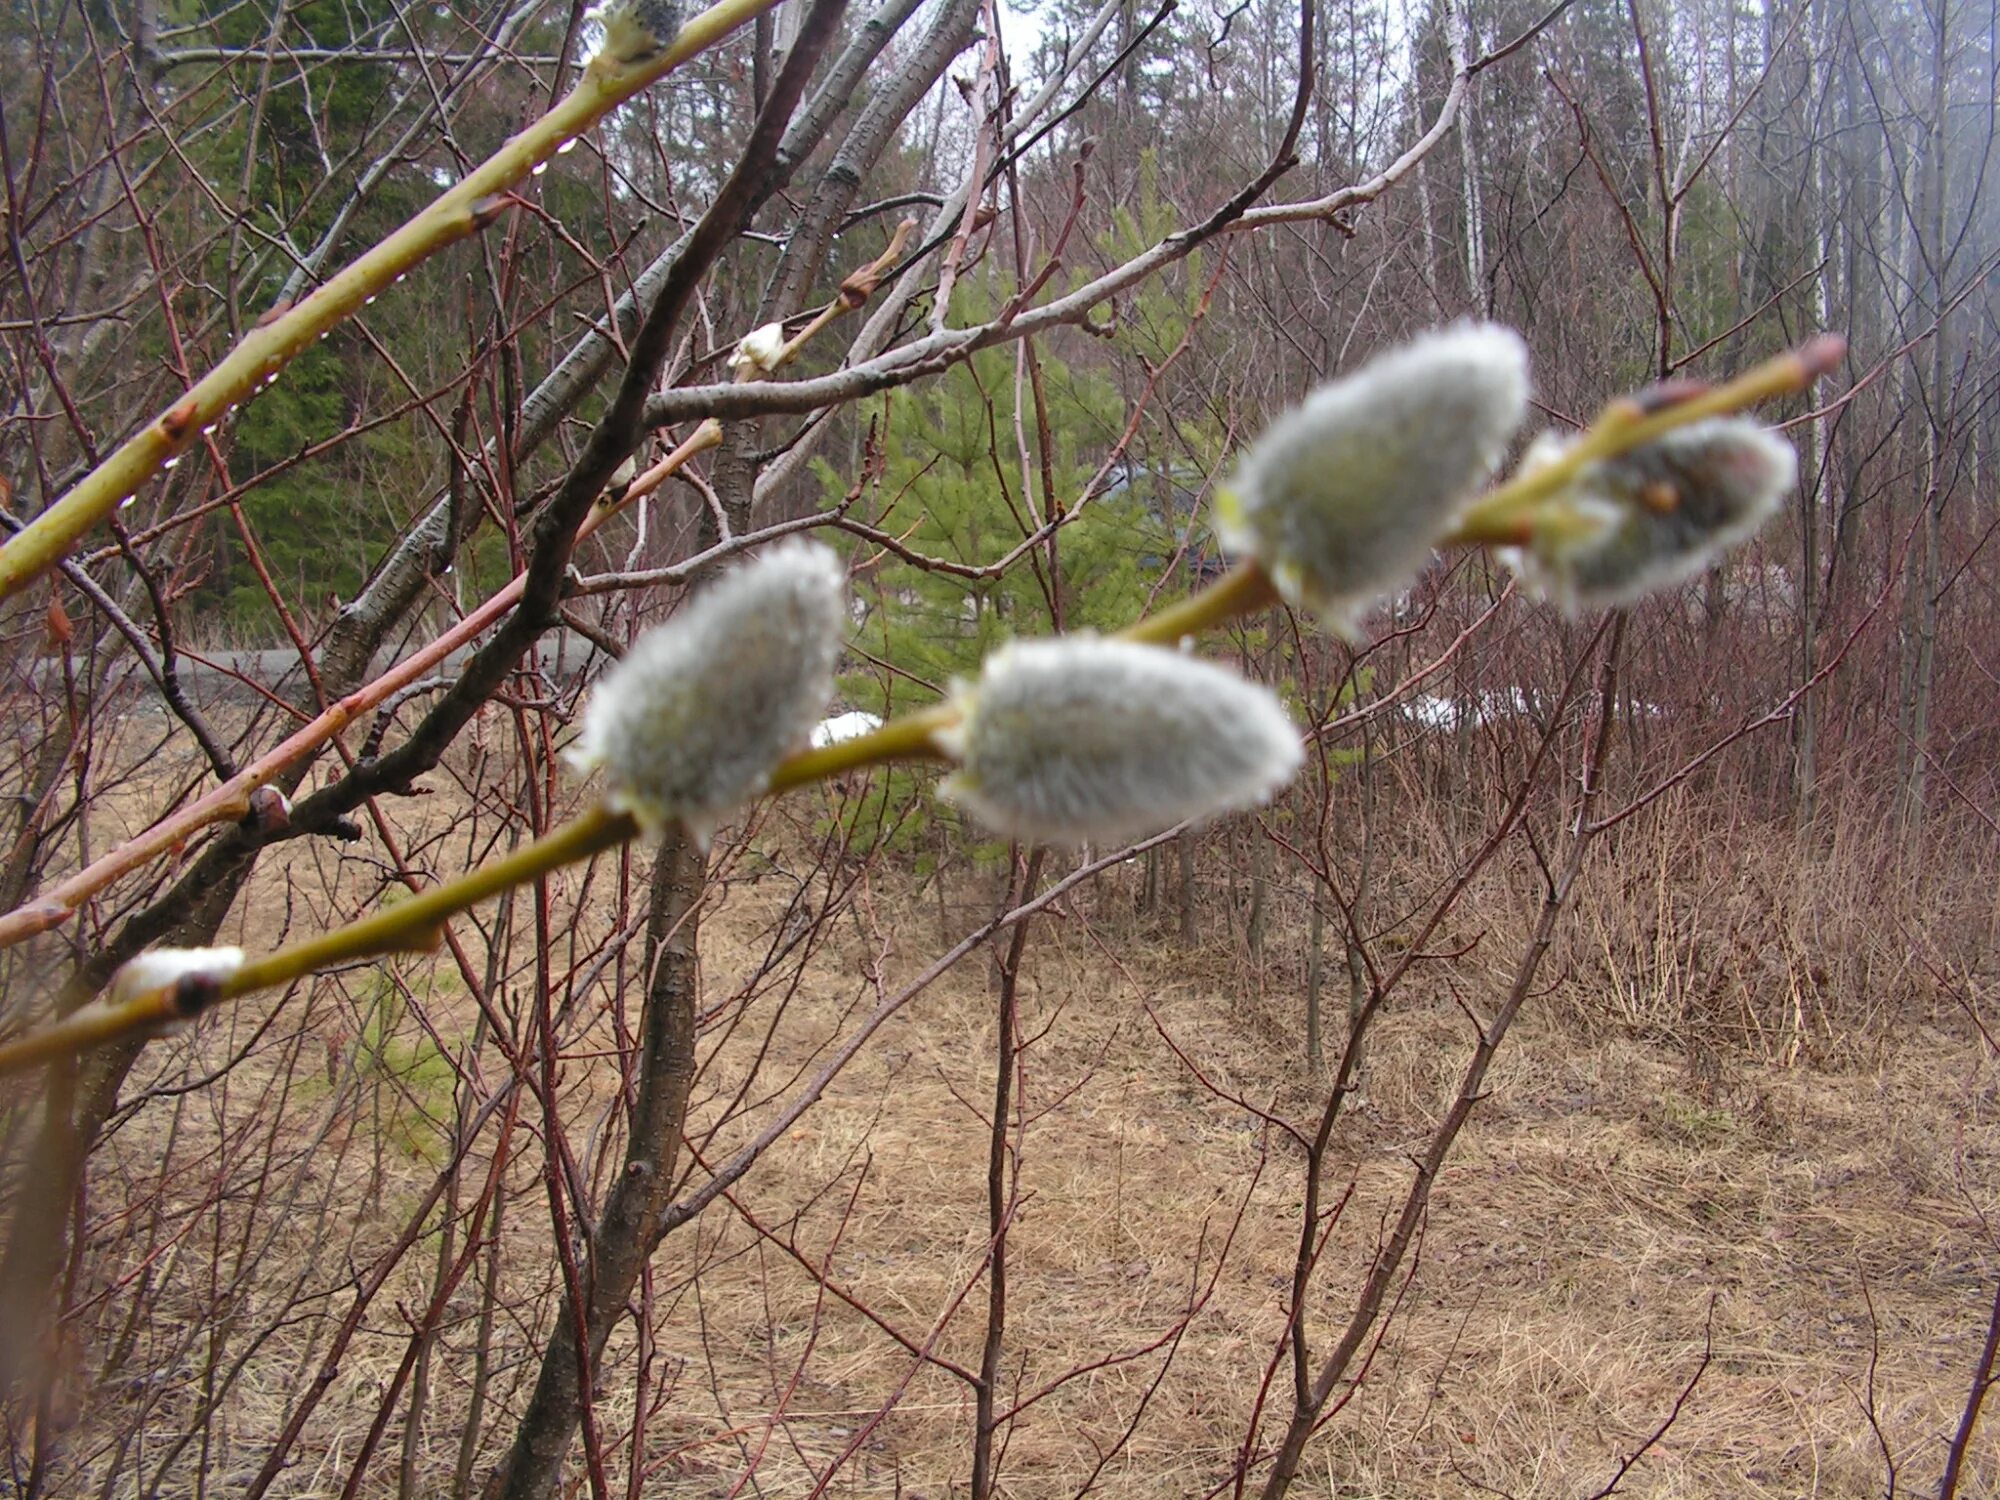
(1818,1215)
(1601,1201)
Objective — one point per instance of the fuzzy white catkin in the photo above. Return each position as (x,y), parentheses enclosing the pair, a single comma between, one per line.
(1656,516)
(160,967)
(1083,740)
(1344,496)
(691,723)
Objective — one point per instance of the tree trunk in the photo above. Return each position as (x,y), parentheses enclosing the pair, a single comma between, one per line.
(633,1220)
(1926,573)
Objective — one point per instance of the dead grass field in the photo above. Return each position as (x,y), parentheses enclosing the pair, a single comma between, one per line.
(1597,1208)
(1825,1229)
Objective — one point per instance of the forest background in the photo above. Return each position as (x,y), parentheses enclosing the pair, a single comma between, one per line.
(1579,1080)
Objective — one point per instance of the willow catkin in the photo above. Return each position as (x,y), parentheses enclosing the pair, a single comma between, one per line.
(691,723)
(1654,516)
(1083,740)
(1343,497)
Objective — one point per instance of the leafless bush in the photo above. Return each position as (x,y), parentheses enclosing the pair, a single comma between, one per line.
(853,1152)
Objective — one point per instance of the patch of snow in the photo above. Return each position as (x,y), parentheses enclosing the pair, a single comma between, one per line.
(848,726)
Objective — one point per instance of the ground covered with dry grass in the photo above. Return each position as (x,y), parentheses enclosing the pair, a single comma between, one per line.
(1614,1216)
(1666,1197)
(1821,1233)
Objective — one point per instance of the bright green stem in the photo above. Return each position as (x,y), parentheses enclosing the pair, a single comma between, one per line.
(1243,590)
(284,334)
(90,1027)
(912,737)
(411,924)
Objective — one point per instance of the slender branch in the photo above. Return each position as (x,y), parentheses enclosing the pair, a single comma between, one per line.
(1368,1306)
(1982,1382)
(1654,1438)
(464,209)
(1626,424)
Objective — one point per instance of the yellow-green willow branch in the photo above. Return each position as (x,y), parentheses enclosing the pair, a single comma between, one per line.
(910,737)
(407,926)
(1501,517)
(285,333)
(1497,518)
(1244,589)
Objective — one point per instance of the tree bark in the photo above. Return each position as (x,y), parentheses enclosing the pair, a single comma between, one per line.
(632,1224)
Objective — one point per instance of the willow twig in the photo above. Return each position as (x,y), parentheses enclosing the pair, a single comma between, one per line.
(286,332)
(1501,517)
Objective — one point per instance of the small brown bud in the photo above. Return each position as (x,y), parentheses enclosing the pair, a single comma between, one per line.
(1667,393)
(1660,497)
(1822,355)
(486,210)
(179,420)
